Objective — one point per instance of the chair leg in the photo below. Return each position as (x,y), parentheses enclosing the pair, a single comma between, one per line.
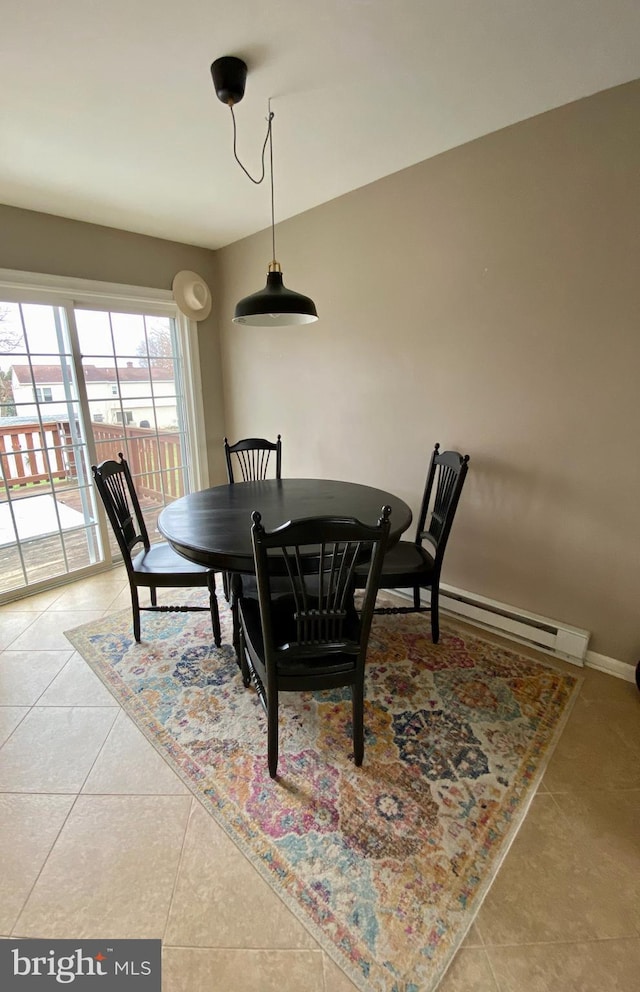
(272,732)
(226,585)
(153,593)
(435,618)
(213,605)
(357,705)
(135,606)
(416,597)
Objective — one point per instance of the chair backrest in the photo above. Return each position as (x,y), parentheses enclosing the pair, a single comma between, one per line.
(252,456)
(318,556)
(445,479)
(115,485)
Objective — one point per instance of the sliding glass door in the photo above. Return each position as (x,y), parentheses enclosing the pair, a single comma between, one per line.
(79,385)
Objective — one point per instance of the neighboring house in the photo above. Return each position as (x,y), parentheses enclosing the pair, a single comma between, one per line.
(135,395)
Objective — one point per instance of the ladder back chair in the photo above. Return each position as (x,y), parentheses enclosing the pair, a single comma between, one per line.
(251,457)
(312,637)
(152,566)
(411,565)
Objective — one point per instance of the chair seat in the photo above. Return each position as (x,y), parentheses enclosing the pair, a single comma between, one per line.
(284,632)
(161,558)
(404,565)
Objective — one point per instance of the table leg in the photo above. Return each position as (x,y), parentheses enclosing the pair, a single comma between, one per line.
(235,591)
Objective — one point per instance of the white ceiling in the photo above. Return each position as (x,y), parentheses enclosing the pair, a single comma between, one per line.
(108,112)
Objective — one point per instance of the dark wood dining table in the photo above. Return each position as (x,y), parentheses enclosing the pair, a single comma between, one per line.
(213,527)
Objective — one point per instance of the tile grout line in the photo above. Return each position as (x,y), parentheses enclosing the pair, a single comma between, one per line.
(53,844)
(178,866)
(64,822)
(492,970)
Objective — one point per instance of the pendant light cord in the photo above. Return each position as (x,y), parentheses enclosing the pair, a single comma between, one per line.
(269,139)
(273,212)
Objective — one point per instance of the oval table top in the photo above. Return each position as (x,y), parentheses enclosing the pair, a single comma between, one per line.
(213,526)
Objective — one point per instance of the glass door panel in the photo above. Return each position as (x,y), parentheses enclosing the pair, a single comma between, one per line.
(133,370)
(47,506)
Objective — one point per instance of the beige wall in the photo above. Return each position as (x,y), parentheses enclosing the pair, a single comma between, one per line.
(487,299)
(35,242)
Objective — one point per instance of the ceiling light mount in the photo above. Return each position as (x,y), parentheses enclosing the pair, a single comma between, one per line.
(275,305)
(229,78)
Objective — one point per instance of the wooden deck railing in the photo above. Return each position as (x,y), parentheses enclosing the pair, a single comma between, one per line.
(24,449)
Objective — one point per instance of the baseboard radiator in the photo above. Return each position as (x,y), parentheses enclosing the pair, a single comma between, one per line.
(551,636)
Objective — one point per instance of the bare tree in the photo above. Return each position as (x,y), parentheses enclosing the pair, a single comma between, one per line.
(159,345)
(10,337)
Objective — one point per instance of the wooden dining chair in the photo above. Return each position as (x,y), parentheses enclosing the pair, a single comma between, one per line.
(312,637)
(411,565)
(251,457)
(152,566)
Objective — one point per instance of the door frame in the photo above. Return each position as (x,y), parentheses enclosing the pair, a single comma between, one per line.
(32,287)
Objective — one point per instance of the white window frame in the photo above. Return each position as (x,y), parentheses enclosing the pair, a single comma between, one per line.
(35,287)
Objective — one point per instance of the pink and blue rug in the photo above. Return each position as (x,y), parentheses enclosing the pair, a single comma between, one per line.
(386,864)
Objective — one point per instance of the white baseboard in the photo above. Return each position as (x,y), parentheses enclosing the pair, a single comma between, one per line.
(611,666)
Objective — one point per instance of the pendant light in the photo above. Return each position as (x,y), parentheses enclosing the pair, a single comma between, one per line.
(275,305)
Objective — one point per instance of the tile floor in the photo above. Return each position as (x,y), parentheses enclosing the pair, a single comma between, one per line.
(98,837)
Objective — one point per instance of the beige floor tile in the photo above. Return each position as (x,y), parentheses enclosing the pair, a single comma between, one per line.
(129,764)
(46,632)
(76,685)
(600,746)
(598,966)
(123,601)
(28,827)
(610,822)
(600,687)
(87,595)
(220,899)
(111,871)
(32,604)
(473,937)
(213,970)
(24,675)
(53,748)
(10,717)
(469,970)
(12,625)
(556,884)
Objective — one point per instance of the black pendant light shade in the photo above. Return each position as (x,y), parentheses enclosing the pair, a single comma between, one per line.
(275,306)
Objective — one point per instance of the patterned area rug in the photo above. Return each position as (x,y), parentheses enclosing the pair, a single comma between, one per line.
(386,864)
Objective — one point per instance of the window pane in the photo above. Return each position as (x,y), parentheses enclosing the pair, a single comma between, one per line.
(129,338)
(43,558)
(12,341)
(45,329)
(11,573)
(94,333)
(82,547)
